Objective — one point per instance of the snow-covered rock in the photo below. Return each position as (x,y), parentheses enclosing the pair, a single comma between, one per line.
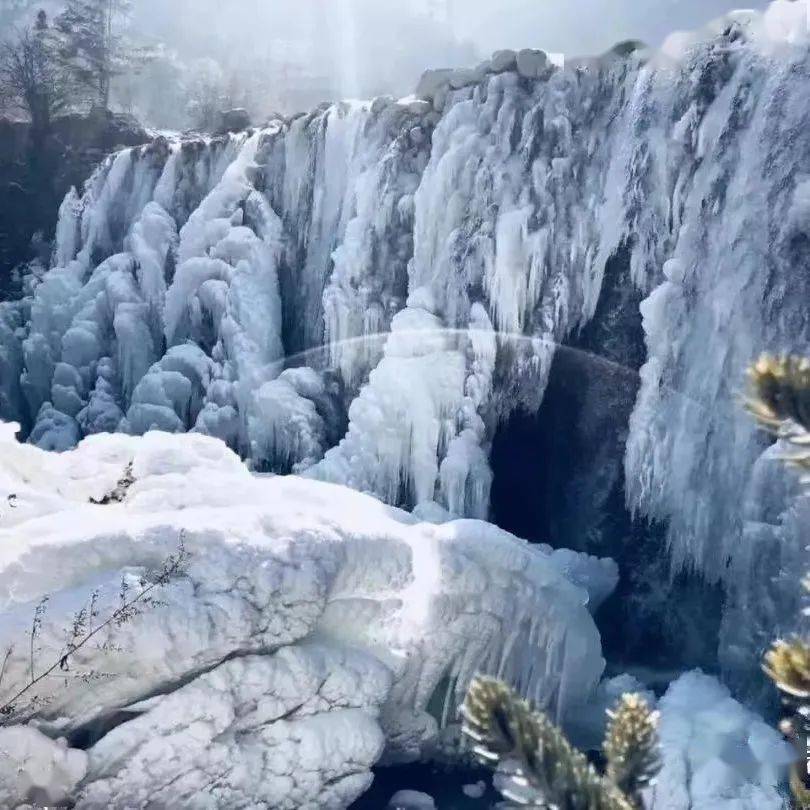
(433,81)
(293,631)
(531,64)
(419,107)
(475,791)
(295,730)
(502,61)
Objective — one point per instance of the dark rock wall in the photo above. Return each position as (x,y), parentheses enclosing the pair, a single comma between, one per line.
(559,479)
(38,169)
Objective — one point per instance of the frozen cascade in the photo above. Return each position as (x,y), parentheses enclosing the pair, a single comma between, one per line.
(423,258)
(418,408)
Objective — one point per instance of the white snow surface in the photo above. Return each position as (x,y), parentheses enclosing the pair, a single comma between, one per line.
(717,755)
(311,630)
(37,770)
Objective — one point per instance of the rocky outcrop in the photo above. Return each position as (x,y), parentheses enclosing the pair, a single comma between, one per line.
(236,120)
(38,169)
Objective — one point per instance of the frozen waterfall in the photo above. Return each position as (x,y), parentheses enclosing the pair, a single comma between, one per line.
(362,293)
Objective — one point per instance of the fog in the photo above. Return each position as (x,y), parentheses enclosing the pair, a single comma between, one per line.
(581,27)
(289,55)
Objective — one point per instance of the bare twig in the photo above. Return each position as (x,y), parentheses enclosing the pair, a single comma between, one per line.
(126,611)
(8,653)
(36,626)
(119,493)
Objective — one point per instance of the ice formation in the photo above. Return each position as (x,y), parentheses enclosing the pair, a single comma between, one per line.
(717,754)
(36,769)
(362,293)
(310,631)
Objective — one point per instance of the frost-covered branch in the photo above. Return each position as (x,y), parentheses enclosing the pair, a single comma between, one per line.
(631,746)
(537,765)
(117,494)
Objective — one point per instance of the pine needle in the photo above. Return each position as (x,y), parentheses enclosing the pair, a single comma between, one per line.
(542,769)
(631,746)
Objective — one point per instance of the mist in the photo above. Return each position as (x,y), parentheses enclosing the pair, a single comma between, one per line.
(287,56)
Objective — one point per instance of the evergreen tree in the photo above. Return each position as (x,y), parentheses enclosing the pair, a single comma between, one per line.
(94,50)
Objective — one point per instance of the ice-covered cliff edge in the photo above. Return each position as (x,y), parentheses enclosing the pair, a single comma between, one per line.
(310,630)
(419,261)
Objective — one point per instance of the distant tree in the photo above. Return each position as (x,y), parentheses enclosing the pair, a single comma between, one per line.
(207,94)
(31,74)
(163,92)
(94,49)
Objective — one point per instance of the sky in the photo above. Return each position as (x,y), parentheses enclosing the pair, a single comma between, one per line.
(581,27)
(374,46)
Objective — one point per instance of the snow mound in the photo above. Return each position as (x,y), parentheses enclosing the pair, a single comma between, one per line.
(36,769)
(278,729)
(309,631)
(411,800)
(717,754)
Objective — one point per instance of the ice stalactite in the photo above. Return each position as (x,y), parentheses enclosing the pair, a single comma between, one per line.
(223,303)
(342,180)
(730,289)
(403,420)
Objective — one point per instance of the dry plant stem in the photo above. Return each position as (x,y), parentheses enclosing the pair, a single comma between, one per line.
(122,613)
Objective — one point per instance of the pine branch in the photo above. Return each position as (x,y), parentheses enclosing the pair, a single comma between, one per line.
(631,746)
(780,391)
(787,664)
(542,768)
(779,400)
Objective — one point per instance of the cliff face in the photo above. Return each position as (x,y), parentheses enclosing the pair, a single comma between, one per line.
(368,293)
(36,171)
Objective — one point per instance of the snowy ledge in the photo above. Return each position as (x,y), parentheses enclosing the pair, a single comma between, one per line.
(311,630)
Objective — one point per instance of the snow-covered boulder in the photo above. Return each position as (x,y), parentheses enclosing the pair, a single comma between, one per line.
(411,800)
(236,120)
(292,631)
(502,61)
(464,77)
(475,791)
(432,82)
(531,64)
(293,730)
